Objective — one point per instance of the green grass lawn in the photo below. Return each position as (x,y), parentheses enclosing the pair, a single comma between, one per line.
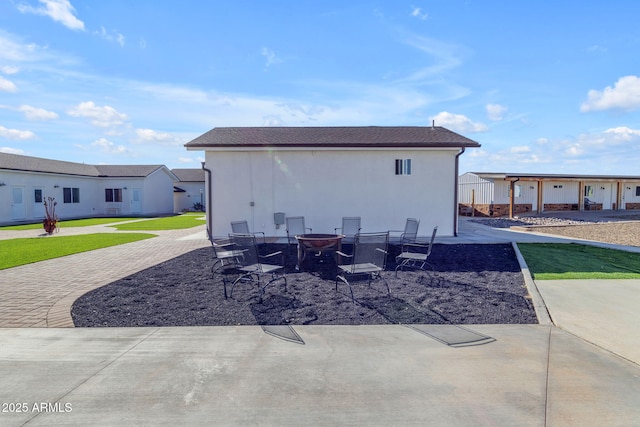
(16,252)
(188,220)
(559,261)
(69,223)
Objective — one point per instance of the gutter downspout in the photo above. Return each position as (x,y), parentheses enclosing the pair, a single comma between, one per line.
(209,204)
(455,195)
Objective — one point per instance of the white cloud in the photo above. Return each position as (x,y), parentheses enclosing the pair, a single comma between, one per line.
(623,133)
(33,113)
(111,36)
(7,85)
(418,13)
(270,56)
(520,149)
(16,133)
(185,160)
(11,150)
(625,96)
(150,136)
(59,10)
(8,69)
(109,147)
(458,122)
(100,116)
(496,112)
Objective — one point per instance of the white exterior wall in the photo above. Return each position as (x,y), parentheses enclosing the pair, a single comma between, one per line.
(194,192)
(556,192)
(158,188)
(157,193)
(473,188)
(52,186)
(629,193)
(325,185)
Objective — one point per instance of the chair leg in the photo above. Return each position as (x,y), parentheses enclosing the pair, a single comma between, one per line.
(348,284)
(274,278)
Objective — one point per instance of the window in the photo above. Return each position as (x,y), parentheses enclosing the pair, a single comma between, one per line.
(588,191)
(403,166)
(71,195)
(37,195)
(638,191)
(113,195)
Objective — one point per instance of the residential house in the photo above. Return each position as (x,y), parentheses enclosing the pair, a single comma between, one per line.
(81,190)
(189,191)
(502,194)
(382,174)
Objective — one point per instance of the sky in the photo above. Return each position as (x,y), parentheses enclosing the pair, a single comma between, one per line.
(544,86)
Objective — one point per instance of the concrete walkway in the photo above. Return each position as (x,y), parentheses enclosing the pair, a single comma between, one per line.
(572,373)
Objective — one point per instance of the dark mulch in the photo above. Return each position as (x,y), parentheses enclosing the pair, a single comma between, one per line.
(472,284)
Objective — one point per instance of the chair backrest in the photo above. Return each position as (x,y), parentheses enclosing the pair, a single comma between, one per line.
(246,244)
(371,248)
(295,225)
(240,227)
(411,229)
(220,246)
(350,225)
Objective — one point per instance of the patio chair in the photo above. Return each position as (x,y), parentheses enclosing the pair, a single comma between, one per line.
(350,227)
(295,226)
(253,266)
(242,227)
(410,232)
(369,257)
(414,254)
(225,259)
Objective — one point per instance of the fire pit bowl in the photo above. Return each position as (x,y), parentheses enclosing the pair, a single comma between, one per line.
(317,243)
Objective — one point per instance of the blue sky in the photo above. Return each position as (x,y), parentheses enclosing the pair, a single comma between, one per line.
(544,86)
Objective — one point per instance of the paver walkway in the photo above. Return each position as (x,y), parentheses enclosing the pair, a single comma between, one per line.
(42,296)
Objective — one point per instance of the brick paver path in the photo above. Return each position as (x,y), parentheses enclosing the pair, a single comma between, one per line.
(41,294)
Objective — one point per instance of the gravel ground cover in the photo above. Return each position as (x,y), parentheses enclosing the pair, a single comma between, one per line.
(607,227)
(472,284)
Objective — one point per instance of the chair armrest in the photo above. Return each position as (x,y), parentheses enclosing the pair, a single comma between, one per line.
(343,254)
(270,255)
(310,229)
(382,250)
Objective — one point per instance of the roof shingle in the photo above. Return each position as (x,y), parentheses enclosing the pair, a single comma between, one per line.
(356,136)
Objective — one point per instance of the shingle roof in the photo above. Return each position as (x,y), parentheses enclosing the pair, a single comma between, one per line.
(364,136)
(36,164)
(189,175)
(127,171)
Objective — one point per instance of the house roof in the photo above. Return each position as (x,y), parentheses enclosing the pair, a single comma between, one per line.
(363,136)
(557,177)
(36,164)
(189,175)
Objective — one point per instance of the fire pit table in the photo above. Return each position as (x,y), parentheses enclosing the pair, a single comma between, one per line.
(317,243)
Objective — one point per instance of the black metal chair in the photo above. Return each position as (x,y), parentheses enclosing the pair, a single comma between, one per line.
(350,227)
(415,254)
(253,266)
(242,227)
(369,257)
(225,258)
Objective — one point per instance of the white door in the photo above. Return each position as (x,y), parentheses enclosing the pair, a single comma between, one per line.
(136,201)
(17,203)
(38,205)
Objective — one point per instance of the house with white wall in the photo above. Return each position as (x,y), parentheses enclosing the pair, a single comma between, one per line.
(189,191)
(382,174)
(81,190)
(502,194)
